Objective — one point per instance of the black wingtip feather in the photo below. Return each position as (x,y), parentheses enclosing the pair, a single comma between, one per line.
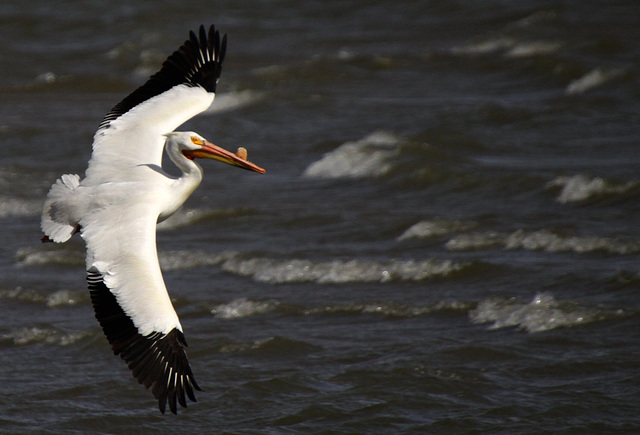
(198,62)
(158,361)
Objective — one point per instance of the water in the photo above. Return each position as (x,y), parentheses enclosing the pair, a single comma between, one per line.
(445,241)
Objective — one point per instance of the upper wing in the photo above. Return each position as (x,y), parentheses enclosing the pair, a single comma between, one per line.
(131,301)
(184,87)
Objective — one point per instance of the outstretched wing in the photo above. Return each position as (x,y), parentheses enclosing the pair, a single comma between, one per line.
(198,62)
(131,134)
(131,301)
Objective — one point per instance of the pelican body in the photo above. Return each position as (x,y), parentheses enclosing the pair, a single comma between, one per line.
(125,193)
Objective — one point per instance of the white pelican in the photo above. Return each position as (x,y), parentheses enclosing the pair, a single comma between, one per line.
(124,193)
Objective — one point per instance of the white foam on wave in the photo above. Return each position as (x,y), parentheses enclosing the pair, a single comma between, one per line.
(169,260)
(66,297)
(22,294)
(281,271)
(66,256)
(542,313)
(243,308)
(278,271)
(46,335)
(592,79)
(13,207)
(55,299)
(435,228)
(338,271)
(180,260)
(542,240)
(474,241)
(46,77)
(534,48)
(506,46)
(577,188)
(484,47)
(367,157)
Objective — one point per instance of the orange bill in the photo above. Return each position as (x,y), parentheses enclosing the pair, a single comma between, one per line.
(211,151)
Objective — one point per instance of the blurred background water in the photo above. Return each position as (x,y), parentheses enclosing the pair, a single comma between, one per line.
(446,239)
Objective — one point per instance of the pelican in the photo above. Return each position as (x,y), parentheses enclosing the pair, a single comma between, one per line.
(125,193)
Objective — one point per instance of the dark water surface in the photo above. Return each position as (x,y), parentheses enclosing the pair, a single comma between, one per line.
(446,239)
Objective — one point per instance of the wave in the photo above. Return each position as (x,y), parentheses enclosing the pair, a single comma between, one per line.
(42,334)
(70,255)
(66,297)
(367,157)
(503,42)
(533,48)
(244,307)
(542,240)
(592,79)
(542,313)
(180,260)
(13,207)
(506,46)
(578,188)
(47,80)
(273,270)
(487,46)
(435,228)
(64,255)
(55,299)
(169,260)
(337,271)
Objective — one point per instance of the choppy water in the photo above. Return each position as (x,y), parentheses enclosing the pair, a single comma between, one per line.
(446,239)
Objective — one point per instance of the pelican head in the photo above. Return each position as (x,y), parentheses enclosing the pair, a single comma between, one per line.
(192,146)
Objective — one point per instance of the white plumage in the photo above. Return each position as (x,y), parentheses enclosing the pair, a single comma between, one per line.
(124,193)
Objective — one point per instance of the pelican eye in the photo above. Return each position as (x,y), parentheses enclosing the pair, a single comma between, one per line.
(196,140)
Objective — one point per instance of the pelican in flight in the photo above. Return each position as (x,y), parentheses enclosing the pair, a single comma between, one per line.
(125,193)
